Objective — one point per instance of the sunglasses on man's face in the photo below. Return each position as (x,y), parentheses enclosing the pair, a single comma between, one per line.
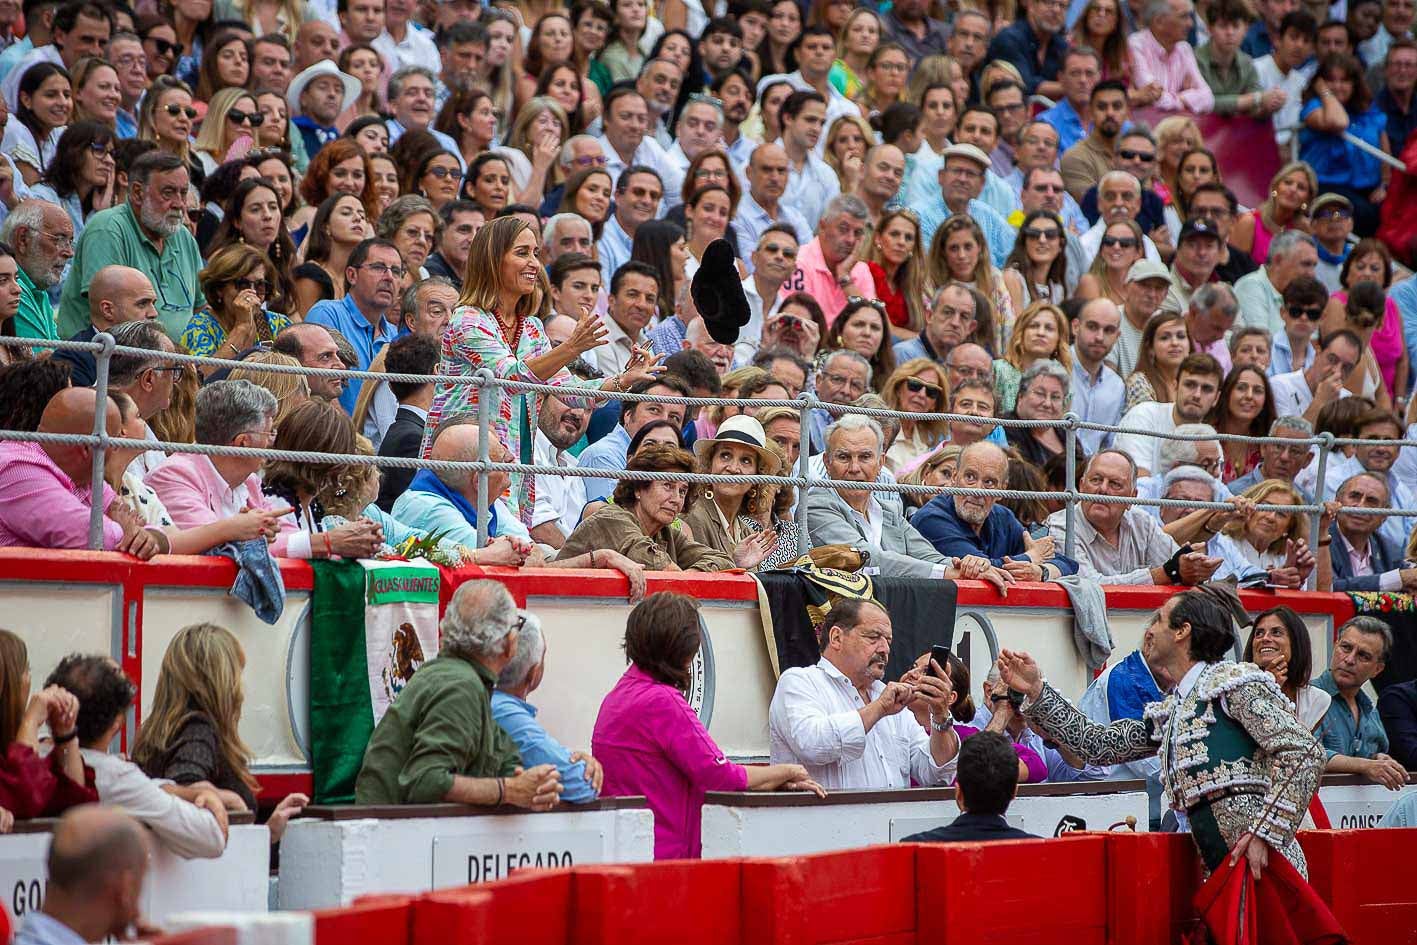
(175,110)
(237,117)
(1312,314)
(1127,154)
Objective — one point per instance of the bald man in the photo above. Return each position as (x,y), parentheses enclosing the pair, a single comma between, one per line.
(97,861)
(45,495)
(117,295)
(314,347)
(882,171)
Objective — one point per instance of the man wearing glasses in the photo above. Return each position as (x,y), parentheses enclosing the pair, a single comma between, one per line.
(42,236)
(1282,461)
(773,261)
(372,280)
(1331,222)
(961,183)
(1292,349)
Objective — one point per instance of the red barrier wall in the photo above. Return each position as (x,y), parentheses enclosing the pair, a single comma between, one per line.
(1085,889)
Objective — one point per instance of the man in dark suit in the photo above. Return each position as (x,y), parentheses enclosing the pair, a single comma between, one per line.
(1397,705)
(1364,560)
(411,354)
(986,782)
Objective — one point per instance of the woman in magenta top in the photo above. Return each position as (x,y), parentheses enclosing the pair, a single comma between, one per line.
(31,786)
(651,742)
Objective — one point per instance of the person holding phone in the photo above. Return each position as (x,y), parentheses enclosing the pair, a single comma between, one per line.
(847,726)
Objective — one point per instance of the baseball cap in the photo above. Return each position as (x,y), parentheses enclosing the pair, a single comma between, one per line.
(1144,269)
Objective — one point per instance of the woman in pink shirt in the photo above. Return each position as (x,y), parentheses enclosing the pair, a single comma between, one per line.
(652,743)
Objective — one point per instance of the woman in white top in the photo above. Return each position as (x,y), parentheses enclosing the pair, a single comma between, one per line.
(1279,645)
(1267,541)
(533,147)
(46,102)
(917,386)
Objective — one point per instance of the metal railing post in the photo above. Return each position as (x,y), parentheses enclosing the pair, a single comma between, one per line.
(485,394)
(100,430)
(1070,464)
(1325,448)
(804,471)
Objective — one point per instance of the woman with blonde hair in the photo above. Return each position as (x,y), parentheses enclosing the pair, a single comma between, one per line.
(96,93)
(897,263)
(1175,136)
(731,383)
(191,732)
(1267,541)
(233,112)
(1122,245)
(937,468)
(1291,190)
(178,422)
(917,386)
(938,69)
(1041,333)
(498,325)
(859,35)
(30,785)
(960,253)
(847,142)
(165,117)
(289,390)
(533,147)
(237,281)
(265,17)
(1164,345)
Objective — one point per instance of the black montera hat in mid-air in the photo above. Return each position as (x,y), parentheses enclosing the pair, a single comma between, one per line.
(717,291)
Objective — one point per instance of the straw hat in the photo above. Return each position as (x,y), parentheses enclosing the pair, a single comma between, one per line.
(744,431)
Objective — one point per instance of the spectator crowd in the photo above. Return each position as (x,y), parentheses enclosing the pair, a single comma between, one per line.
(1001,212)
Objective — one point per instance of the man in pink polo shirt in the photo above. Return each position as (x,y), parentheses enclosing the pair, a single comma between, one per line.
(45,488)
(828,268)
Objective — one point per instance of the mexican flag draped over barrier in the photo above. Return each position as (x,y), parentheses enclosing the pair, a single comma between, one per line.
(372,624)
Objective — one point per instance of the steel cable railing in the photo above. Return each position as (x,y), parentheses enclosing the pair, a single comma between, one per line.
(104,348)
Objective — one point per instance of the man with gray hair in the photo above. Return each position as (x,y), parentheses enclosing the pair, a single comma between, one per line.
(146,378)
(842,376)
(581,775)
(1282,461)
(146,231)
(579,153)
(411,93)
(1209,317)
(1163,60)
(424,310)
(855,516)
(42,237)
(198,490)
(438,742)
(700,127)
(1119,197)
(827,267)
(565,233)
(1260,294)
(1170,454)
(1120,544)
(962,525)
(1352,732)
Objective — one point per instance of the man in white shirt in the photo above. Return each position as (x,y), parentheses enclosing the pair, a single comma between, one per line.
(559,499)
(846,726)
(1197,389)
(624,140)
(658,84)
(816,51)
(699,128)
(634,293)
(189,821)
(810,181)
(1289,68)
(774,259)
(1305,393)
(404,44)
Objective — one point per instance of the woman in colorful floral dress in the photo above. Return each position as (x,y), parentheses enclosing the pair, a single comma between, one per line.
(497,325)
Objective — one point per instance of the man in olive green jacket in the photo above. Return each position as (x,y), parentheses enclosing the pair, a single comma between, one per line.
(438,742)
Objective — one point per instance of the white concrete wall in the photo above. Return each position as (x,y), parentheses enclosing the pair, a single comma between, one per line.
(236,882)
(326,863)
(791,831)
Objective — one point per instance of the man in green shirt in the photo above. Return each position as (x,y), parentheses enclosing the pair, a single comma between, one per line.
(438,742)
(146,232)
(42,236)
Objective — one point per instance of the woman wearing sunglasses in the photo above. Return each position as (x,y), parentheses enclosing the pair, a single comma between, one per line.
(160,44)
(437,176)
(1036,269)
(233,113)
(166,117)
(236,281)
(1121,246)
(80,178)
(917,386)
(863,327)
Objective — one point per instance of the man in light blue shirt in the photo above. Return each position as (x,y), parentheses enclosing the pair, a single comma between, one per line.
(445,503)
(581,774)
(638,191)
(1081,71)
(1352,731)
(1097,390)
(612,450)
(371,285)
(1404,295)
(961,181)
(761,206)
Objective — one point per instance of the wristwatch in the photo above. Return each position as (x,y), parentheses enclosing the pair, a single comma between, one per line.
(946,726)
